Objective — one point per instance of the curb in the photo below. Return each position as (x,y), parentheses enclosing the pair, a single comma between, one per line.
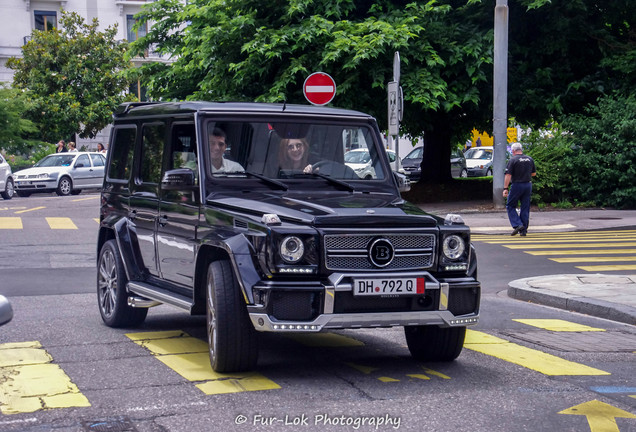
(521,289)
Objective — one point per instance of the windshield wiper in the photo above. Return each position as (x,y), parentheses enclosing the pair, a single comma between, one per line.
(269,181)
(334,181)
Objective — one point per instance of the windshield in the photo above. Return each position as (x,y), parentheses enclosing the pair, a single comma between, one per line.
(477,153)
(291,150)
(56,161)
(415,154)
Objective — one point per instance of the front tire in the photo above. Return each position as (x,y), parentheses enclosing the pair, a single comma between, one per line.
(232,340)
(463,173)
(112,297)
(8,190)
(432,343)
(64,187)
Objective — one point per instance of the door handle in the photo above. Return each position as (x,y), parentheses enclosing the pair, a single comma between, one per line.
(163,220)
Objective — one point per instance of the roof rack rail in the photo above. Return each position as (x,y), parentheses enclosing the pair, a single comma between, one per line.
(124,107)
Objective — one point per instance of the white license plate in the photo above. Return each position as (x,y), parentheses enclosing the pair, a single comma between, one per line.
(392,287)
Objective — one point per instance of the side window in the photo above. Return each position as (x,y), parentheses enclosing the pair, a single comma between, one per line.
(83,161)
(98,160)
(183,151)
(153,136)
(122,150)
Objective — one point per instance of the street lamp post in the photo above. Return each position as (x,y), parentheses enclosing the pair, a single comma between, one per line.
(500,101)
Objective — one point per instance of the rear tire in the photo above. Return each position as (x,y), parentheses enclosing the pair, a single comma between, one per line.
(8,190)
(112,297)
(232,340)
(432,343)
(463,173)
(64,187)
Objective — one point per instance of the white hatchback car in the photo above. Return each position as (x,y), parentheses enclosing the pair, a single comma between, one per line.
(6,179)
(64,173)
(360,161)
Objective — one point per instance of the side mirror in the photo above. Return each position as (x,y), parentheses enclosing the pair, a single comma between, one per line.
(6,311)
(178,179)
(404,183)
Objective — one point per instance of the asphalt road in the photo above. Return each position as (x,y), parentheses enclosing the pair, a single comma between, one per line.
(513,375)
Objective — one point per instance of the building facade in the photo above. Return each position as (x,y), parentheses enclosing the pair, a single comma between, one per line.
(18,18)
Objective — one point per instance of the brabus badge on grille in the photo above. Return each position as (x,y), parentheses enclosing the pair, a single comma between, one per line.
(381,252)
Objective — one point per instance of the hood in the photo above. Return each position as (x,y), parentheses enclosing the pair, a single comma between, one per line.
(38,170)
(335,210)
(475,163)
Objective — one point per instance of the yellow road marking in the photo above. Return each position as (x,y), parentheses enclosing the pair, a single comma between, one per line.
(96,220)
(188,356)
(539,361)
(328,340)
(562,245)
(435,373)
(388,379)
(583,252)
(10,223)
(419,376)
(607,267)
(594,259)
(558,325)
(361,368)
(538,227)
(564,240)
(60,223)
(86,199)
(30,382)
(28,210)
(601,417)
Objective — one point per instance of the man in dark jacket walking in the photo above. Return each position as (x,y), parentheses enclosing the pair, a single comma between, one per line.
(519,173)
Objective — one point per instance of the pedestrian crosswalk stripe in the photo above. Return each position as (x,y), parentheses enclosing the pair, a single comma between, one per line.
(29,381)
(616,267)
(188,356)
(564,245)
(582,252)
(61,223)
(529,358)
(558,325)
(10,223)
(594,259)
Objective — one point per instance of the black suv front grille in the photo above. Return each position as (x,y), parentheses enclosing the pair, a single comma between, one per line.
(351,251)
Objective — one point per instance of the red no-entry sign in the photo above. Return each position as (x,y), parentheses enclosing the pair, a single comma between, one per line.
(319,88)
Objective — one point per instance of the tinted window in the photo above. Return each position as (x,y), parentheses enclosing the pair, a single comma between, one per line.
(151,151)
(122,149)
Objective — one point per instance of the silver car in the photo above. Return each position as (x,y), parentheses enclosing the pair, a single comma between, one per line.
(63,173)
(6,179)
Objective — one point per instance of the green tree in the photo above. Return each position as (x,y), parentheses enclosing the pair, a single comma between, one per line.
(73,77)
(563,56)
(15,130)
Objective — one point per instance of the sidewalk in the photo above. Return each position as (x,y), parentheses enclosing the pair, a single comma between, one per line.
(611,297)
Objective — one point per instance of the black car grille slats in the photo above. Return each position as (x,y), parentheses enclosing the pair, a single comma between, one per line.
(351,251)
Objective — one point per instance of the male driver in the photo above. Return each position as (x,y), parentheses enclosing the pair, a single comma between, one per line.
(217,143)
(519,172)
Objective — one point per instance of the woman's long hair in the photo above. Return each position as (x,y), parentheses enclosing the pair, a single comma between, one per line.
(284,160)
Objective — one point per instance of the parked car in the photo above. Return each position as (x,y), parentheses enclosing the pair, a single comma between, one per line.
(412,164)
(63,173)
(361,162)
(6,179)
(256,248)
(479,161)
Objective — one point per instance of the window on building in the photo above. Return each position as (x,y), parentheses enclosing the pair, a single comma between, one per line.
(138,90)
(45,20)
(134,30)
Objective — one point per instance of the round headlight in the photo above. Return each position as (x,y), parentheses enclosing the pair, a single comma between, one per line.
(292,249)
(453,247)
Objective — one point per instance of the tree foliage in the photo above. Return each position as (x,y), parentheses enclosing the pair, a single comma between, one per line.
(15,130)
(73,77)
(563,56)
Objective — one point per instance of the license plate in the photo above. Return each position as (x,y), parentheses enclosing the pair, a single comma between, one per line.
(391,287)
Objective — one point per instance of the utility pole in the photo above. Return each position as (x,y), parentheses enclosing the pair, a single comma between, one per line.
(500,101)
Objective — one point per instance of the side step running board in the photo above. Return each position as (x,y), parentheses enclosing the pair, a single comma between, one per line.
(160,295)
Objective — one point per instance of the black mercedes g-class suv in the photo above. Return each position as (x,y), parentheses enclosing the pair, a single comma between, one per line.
(209,207)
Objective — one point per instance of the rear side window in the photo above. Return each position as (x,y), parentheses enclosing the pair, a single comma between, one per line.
(122,149)
(98,160)
(151,153)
